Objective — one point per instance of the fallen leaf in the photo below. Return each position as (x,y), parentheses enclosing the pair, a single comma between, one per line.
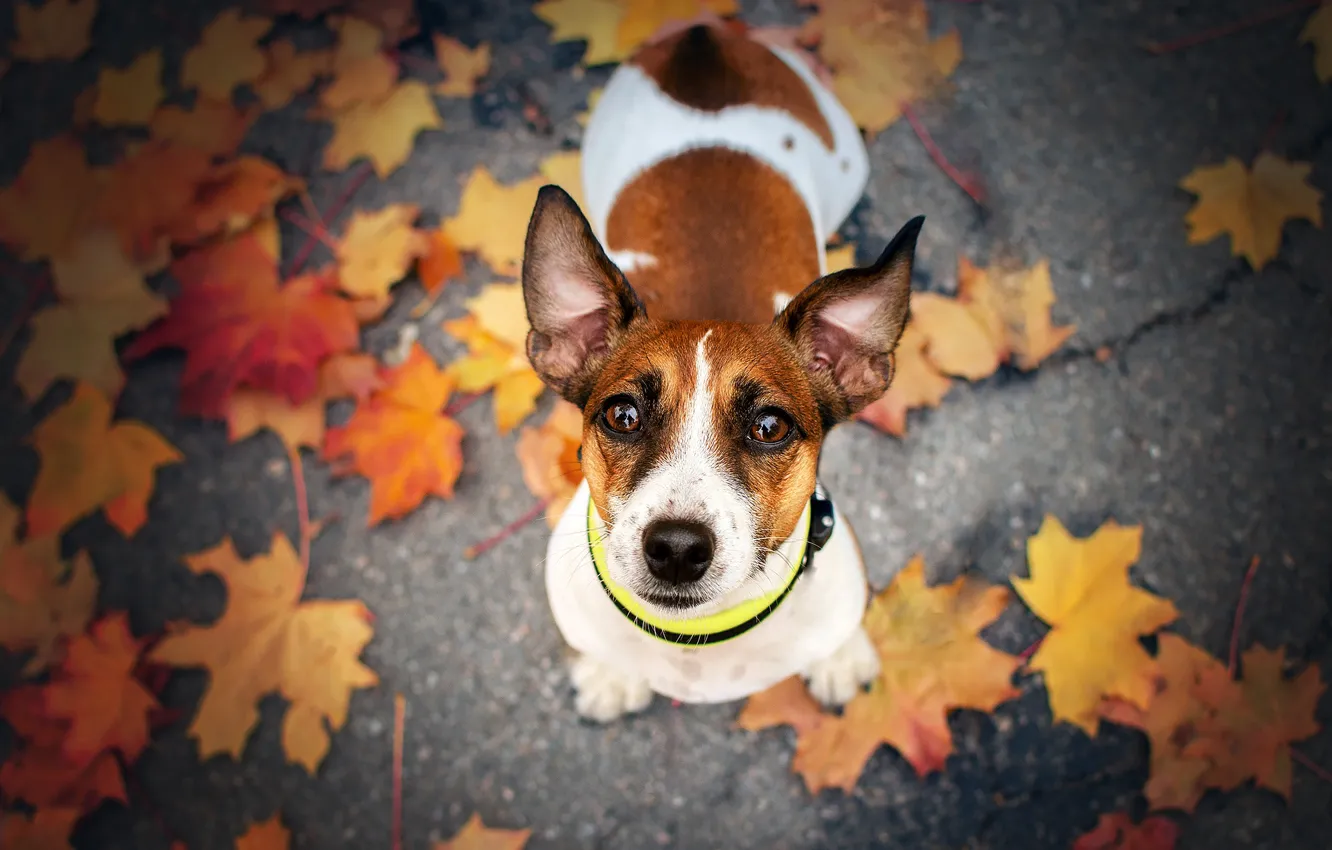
(226,56)
(548,457)
(841,257)
(102,297)
(43,599)
(269,835)
(46,829)
(131,96)
(492,219)
(882,56)
(45,207)
(356,39)
(462,66)
(440,262)
(644,18)
(400,440)
(495,333)
(956,343)
(268,641)
(502,313)
(565,169)
(38,772)
(57,29)
(1080,588)
(593,97)
(916,383)
(1118,832)
(378,249)
(385,131)
(231,197)
(1318,32)
(787,703)
(475,835)
(88,462)
(933,662)
(147,192)
(305,9)
(214,127)
(360,80)
(238,326)
(395,20)
(290,72)
(302,425)
(1013,305)
(94,689)
(1252,206)
(595,21)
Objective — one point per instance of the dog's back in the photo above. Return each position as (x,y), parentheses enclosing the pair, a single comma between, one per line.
(714,169)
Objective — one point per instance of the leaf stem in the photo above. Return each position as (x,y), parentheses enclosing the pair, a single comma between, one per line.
(399,721)
(1158,48)
(461,403)
(334,210)
(314,229)
(1310,765)
(1239,614)
(506,532)
(302,508)
(1026,654)
(967,183)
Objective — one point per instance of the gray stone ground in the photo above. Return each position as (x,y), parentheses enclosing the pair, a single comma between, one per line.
(1209,426)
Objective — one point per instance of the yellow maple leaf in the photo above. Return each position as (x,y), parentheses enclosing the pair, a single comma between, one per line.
(593,97)
(269,641)
(502,313)
(643,18)
(595,21)
(103,296)
(57,29)
(1013,305)
(1251,205)
(1318,32)
(492,219)
(493,364)
(43,598)
(213,126)
(475,835)
(379,249)
(916,383)
(49,202)
(841,257)
(957,343)
(130,96)
(359,80)
(385,131)
(226,56)
(290,72)
(565,169)
(462,66)
(89,462)
(1080,587)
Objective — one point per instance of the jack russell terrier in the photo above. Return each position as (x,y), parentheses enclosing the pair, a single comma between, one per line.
(700,558)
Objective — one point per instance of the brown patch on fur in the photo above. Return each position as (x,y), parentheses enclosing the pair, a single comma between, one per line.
(728,233)
(710,69)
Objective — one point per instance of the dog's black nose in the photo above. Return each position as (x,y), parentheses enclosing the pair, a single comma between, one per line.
(677,551)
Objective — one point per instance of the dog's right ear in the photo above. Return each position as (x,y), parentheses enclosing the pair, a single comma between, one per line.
(578,302)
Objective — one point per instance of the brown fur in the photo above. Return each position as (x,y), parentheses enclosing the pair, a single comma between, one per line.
(709,68)
(728,234)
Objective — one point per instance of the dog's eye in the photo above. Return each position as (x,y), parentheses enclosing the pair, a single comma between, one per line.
(622,416)
(770,427)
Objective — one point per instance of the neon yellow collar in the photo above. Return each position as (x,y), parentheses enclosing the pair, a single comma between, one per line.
(698,631)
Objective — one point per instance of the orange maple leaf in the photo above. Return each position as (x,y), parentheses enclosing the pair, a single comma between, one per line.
(440,262)
(462,66)
(268,641)
(213,127)
(45,829)
(47,205)
(933,661)
(475,835)
(357,79)
(1117,831)
(57,29)
(239,327)
(548,456)
(302,425)
(226,55)
(269,835)
(38,772)
(147,193)
(378,249)
(94,689)
(1080,587)
(231,197)
(88,462)
(400,440)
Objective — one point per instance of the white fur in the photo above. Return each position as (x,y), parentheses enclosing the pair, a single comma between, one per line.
(630,261)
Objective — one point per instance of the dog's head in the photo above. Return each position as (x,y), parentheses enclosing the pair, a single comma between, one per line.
(701,439)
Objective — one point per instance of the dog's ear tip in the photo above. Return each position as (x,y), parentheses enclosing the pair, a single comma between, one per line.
(554,194)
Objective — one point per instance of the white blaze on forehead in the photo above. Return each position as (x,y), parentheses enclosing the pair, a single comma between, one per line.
(695,437)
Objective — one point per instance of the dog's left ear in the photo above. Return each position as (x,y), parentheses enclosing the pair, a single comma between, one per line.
(846,325)
(578,302)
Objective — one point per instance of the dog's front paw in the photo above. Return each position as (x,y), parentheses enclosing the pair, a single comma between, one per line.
(839,677)
(605,693)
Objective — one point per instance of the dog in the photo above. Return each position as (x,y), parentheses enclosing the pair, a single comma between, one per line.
(700,558)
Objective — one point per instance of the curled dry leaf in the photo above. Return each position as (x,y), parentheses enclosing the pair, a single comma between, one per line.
(548,456)
(266,641)
(378,250)
(383,131)
(130,96)
(492,219)
(46,207)
(1252,206)
(475,835)
(88,462)
(239,327)
(462,66)
(1080,587)
(400,440)
(1117,831)
(226,56)
(102,296)
(43,598)
(56,29)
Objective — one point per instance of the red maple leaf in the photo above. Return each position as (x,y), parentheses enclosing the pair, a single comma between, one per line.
(240,327)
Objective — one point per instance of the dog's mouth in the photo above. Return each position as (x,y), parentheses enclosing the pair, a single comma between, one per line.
(672,600)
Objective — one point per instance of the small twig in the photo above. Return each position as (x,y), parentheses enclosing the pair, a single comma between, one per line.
(1027,653)
(1310,765)
(302,508)
(965,182)
(506,532)
(1239,614)
(334,210)
(312,228)
(399,721)
(461,403)
(1158,48)
(35,292)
